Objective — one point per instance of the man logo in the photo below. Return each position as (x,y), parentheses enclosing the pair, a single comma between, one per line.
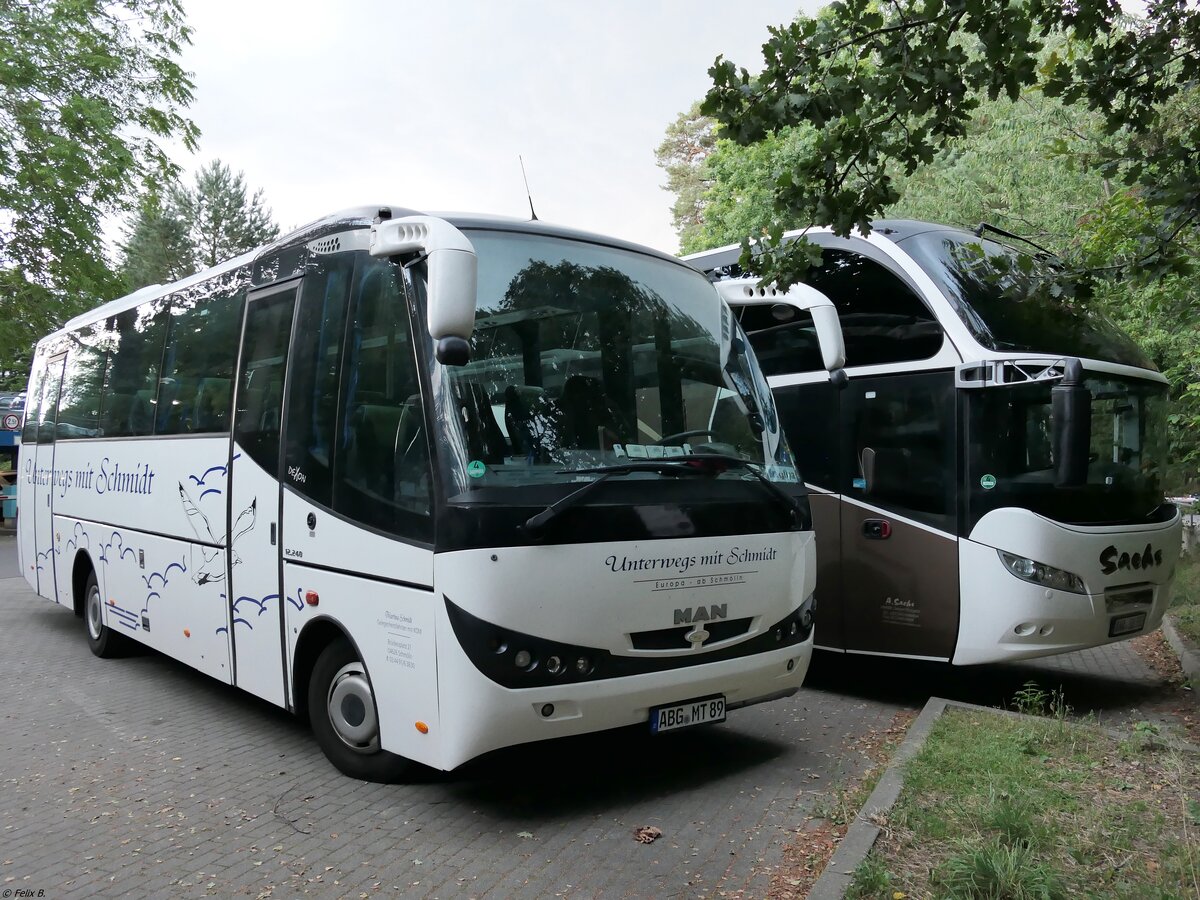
(701,613)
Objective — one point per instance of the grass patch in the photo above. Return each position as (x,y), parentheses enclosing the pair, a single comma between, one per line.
(1185,598)
(999,807)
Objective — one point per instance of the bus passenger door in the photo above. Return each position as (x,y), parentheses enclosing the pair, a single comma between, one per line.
(899,548)
(809,411)
(43,479)
(254,595)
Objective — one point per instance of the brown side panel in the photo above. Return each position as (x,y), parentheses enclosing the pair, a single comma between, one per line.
(900,594)
(827,523)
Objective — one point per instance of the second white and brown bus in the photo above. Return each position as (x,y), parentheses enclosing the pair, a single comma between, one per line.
(987,469)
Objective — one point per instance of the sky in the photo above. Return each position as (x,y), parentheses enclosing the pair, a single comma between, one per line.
(428,105)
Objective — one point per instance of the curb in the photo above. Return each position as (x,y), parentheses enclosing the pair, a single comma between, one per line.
(860,837)
(1189,656)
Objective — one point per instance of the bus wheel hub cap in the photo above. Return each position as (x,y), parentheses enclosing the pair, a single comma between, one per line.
(95,614)
(352,709)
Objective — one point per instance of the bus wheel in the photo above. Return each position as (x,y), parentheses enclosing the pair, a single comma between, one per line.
(104,642)
(342,708)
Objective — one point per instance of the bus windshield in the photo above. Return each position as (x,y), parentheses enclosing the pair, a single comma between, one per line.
(1010,461)
(1012,301)
(586,356)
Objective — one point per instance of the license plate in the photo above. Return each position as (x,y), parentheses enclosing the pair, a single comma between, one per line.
(1126,624)
(1116,601)
(684,715)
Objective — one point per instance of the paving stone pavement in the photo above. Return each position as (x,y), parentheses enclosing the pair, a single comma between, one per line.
(139,776)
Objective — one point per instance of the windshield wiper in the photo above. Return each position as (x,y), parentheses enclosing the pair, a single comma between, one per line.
(663,467)
(696,464)
(736,462)
(979,229)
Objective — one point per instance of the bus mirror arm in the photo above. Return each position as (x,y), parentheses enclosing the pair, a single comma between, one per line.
(748,292)
(452,278)
(1071,413)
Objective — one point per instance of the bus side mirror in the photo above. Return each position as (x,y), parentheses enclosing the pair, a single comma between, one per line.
(453,275)
(1071,412)
(748,292)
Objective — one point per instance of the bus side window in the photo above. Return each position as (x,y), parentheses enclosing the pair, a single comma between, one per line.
(48,406)
(202,343)
(131,382)
(79,400)
(902,442)
(883,319)
(260,382)
(316,361)
(382,474)
(33,400)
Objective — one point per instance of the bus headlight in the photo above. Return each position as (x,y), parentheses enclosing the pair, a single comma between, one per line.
(1039,573)
(807,613)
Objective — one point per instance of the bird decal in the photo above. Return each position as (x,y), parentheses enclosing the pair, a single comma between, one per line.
(212,568)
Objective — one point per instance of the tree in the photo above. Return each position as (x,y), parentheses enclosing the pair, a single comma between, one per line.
(898,98)
(682,154)
(89,90)
(189,229)
(157,248)
(221,219)
(1022,165)
(888,89)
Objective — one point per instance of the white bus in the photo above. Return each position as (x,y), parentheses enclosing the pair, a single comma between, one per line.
(985,473)
(443,485)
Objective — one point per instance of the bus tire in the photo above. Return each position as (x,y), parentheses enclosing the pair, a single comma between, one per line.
(345,718)
(103,641)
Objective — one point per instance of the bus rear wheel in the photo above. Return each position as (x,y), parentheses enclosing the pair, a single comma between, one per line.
(102,640)
(345,720)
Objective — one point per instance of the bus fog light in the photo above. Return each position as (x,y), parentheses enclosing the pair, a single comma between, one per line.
(523,659)
(1039,573)
(554,665)
(547,710)
(791,665)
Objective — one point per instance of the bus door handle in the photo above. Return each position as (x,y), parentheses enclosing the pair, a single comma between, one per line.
(877,529)
(272,534)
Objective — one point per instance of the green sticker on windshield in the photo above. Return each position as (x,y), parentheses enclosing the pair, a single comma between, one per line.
(476,468)
(987,482)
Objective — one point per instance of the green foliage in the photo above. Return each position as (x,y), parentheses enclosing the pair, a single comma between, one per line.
(688,142)
(870,879)
(1185,600)
(846,117)
(977,817)
(887,89)
(740,187)
(194,228)
(1022,165)
(997,870)
(157,248)
(223,220)
(90,90)
(1031,700)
